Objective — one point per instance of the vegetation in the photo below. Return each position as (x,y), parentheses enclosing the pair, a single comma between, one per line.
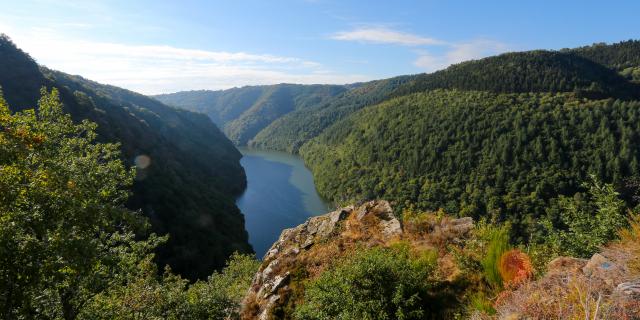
(622,57)
(291,131)
(374,284)
(243,112)
(530,71)
(588,221)
(188,188)
(69,248)
(502,156)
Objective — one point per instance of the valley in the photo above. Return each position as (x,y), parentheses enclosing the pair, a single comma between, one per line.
(471,191)
(280,194)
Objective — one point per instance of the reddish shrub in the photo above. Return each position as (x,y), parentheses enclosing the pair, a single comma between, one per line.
(515,268)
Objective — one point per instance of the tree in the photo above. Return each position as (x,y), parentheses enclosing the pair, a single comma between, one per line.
(587,221)
(65,234)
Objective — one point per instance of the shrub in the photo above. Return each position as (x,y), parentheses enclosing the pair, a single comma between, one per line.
(515,268)
(497,244)
(588,221)
(378,283)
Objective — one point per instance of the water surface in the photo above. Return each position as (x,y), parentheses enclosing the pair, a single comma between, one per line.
(280,194)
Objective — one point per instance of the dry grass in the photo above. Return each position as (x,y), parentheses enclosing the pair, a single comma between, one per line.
(568,292)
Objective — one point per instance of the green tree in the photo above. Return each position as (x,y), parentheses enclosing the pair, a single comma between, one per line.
(146,296)
(587,220)
(65,234)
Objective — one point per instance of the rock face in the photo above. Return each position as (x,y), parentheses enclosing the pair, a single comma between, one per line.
(313,245)
(296,242)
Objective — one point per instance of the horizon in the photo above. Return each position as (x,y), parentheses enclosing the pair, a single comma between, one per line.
(164,47)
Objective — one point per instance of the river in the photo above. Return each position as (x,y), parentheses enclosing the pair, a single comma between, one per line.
(280,194)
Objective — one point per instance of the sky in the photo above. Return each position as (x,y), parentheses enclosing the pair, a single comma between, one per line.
(166,46)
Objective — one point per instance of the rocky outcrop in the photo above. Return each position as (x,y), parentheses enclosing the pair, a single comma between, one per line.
(312,246)
(590,280)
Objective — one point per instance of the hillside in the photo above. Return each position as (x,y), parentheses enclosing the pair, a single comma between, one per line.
(504,156)
(243,112)
(530,71)
(188,188)
(519,72)
(291,131)
(622,57)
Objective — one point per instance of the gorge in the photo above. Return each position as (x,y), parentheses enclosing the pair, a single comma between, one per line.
(280,194)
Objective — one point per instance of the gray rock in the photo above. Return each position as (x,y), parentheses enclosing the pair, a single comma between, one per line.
(597,263)
(629,288)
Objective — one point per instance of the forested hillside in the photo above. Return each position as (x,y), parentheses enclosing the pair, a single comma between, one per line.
(622,57)
(530,71)
(188,171)
(504,156)
(293,130)
(595,72)
(243,112)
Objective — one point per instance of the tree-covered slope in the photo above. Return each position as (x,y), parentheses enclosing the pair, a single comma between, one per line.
(530,71)
(623,57)
(189,172)
(243,112)
(291,131)
(477,153)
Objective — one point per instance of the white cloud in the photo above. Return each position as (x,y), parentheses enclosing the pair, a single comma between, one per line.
(445,54)
(154,69)
(384,35)
(459,52)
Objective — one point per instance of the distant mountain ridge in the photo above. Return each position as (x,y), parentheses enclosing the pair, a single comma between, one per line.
(243,112)
(187,190)
(248,118)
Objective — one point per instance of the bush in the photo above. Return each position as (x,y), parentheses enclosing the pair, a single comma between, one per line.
(498,244)
(379,283)
(515,268)
(588,221)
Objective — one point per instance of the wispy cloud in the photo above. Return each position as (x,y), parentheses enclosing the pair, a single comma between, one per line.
(154,69)
(459,52)
(384,35)
(433,54)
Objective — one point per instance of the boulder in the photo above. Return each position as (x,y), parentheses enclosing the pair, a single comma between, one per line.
(631,288)
(598,263)
(565,265)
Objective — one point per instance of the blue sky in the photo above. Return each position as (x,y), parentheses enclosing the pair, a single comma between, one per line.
(166,46)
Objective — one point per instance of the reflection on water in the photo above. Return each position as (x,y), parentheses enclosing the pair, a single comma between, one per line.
(280,194)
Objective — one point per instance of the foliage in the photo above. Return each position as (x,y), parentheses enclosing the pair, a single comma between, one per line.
(68,247)
(587,221)
(291,131)
(497,239)
(188,190)
(243,112)
(515,268)
(377,283)
(502,156)
(65,233)
(221,294)
(530,71)
(622,57)
(146,296)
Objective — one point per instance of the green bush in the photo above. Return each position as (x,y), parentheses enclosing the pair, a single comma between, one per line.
(497,243)
(378,283)
(587,220)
